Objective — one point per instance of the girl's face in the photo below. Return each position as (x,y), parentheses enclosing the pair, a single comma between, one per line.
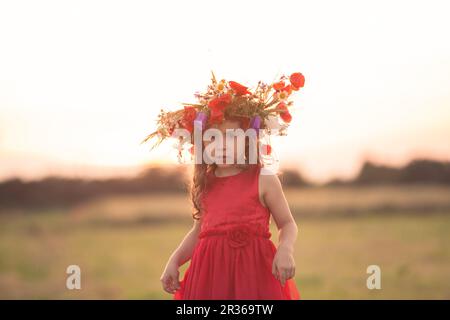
(229,144)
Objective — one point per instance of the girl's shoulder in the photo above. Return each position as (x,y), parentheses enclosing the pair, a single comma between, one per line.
(268,172)
(268,179)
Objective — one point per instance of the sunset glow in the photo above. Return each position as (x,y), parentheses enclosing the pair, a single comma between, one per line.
(81,83)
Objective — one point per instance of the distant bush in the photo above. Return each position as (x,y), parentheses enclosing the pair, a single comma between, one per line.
(58,191)
(417,171)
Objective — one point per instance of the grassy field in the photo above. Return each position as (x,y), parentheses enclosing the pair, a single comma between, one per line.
(123,243)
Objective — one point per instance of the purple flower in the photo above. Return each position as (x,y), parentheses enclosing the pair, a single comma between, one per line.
(255,122)
(201,119)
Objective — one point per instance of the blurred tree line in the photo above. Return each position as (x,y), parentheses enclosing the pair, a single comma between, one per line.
(416,171)
(59,191)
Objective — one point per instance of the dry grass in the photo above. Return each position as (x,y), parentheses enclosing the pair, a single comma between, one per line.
(122,249)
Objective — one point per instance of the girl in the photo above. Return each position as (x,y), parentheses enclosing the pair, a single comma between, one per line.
(229,247)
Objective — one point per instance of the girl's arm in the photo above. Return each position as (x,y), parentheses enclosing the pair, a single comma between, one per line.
(272,196)
(182,254)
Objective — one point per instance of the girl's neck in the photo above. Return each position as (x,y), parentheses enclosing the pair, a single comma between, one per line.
(227,171)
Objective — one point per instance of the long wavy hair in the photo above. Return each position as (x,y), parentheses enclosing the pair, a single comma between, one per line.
(199,183)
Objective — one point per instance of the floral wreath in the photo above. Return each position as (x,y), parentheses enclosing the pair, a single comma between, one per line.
(260,109)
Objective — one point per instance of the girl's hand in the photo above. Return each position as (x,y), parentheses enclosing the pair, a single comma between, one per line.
(169,278)
(283,266)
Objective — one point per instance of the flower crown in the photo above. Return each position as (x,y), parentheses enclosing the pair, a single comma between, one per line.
(259,109)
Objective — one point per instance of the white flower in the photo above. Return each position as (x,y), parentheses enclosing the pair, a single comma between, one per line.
(282,95)
(221,86)
(272,122)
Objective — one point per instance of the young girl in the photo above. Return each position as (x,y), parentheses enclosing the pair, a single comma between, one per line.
(229,247)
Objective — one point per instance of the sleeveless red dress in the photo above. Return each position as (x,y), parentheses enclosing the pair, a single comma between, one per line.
(233,257)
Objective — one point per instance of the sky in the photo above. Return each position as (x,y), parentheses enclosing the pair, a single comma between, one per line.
(81,82)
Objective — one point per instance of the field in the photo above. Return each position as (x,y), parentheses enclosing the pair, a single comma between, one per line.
(122,244)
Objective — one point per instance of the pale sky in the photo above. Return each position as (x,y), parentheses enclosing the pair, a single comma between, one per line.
(81,82)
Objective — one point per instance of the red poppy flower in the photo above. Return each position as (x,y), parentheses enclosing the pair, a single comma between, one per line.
(216,116)
(297,80)
(284,114)
(288,89)
(220,102)
(278,85)
(187,121)
(267,149)
(238,88)
(282,105)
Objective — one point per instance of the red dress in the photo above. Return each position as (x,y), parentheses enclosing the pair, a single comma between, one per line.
(233,257)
